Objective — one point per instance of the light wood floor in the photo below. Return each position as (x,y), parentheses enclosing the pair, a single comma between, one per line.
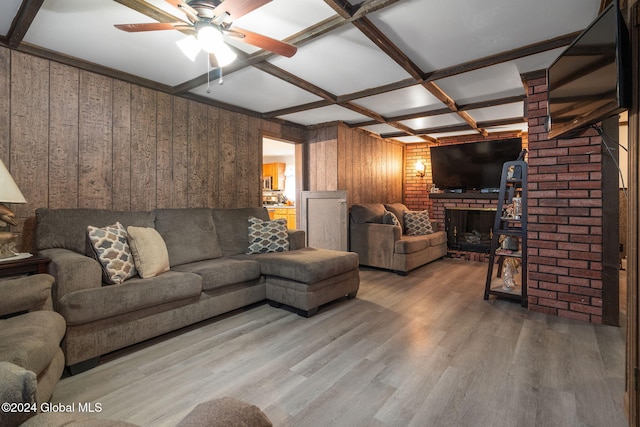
(421,350)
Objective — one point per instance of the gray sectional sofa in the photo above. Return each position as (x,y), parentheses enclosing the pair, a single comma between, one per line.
(383,244)
(210,274)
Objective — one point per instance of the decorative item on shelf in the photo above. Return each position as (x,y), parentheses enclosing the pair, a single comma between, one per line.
(517,207)
(9,193)
(420,169)
(511,268)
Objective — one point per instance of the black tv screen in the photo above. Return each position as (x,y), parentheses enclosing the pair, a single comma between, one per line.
(473,166)
(590,80)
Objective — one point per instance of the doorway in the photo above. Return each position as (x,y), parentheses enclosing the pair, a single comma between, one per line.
(281,179)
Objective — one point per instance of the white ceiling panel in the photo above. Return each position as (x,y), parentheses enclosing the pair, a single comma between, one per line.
(8,10)
(515,109)
(327,114)
(410,139)
(433,121)
(519,127)
(343,62)
(402,101)
(380,129)
(498,81)
(437,35)
(88,33)
(256,90)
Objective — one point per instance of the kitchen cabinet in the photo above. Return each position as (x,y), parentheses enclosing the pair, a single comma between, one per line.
(284,212)
(276,172)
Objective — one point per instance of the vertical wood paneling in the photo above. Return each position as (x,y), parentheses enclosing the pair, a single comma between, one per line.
(63,136)
(180,165)
(95,139)
(29,157)
(164,133)
(242,158)
(227,165)
(213,190)
(143,148)
(254,163)
(5,104)
(121,183)
(198,169)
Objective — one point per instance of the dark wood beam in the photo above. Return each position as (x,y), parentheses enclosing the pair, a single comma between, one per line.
(297,109)
(370,6)
(387,46)
(27,12)
(492,102)
(377,90)
(341,7)
(499,58)
(148,9)
(271,69)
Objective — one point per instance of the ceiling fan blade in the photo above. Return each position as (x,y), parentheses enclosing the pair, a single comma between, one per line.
(238,8)
(264,42)
(191,13)
(151,26)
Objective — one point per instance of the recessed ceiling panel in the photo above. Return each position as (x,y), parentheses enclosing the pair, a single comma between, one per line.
(437,35)
(433,121)
(343,61)
(331,113)
(8,10)
(410,139)
(498,81)
(381,129)
(449,134)
(74,29)
(517,127)
(255,90)
(515,109)
(408,100)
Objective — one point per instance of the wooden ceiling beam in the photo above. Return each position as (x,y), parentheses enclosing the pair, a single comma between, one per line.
(271,69)
(297,109)
(25,16)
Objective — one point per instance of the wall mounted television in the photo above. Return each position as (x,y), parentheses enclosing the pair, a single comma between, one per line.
(472,166)
(590,80)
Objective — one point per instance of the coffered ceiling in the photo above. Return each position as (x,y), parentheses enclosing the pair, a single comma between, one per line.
(411,70)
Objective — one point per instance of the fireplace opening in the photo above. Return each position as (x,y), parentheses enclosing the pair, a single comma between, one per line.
(469,229)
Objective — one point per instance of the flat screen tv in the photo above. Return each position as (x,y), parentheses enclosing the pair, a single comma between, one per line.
(589,81)
(473,166)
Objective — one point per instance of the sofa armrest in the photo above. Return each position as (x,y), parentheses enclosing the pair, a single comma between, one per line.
(72,272)
(18,386)
(28,293)
(374,243)
(297,239)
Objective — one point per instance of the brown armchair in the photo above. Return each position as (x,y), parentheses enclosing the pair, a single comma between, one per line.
(30,335)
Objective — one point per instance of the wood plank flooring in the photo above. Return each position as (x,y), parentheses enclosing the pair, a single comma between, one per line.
(420,350)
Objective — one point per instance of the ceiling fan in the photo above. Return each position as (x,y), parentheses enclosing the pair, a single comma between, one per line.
(209,21)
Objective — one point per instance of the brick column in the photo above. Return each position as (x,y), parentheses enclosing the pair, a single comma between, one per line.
(565,218)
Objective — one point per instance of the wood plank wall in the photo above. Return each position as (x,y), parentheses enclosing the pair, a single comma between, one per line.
(369,168)
(72,138)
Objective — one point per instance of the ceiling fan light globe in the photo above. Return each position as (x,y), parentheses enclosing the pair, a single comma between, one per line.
(224,55)
(190,47)
(209,39)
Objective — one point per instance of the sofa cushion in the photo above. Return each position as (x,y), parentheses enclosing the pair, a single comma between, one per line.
(134,294)
(417,223)
(398,210)
(149,251)
(67,228)
(232,228)
(368,212)
(267,236)
(31,339)
(411,244)
(308,265)
(391,218)
(189,234)
(111,248)
(220,272)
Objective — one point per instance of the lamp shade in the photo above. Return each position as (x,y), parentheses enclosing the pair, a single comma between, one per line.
(9,191)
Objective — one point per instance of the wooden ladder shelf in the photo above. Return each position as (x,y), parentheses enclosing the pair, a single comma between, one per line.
(509,237)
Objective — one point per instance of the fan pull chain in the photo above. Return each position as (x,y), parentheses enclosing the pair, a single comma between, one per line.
(208,70)
(221,80)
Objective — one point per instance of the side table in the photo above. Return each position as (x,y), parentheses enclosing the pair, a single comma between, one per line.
(35,264)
